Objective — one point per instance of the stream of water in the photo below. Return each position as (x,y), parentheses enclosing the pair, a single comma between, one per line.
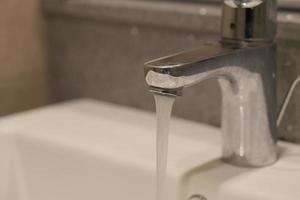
(164,106)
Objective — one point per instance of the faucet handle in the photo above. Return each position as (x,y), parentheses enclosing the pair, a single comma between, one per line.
(249,21)
(287,100)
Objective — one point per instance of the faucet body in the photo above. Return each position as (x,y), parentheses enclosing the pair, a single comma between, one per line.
(244,64)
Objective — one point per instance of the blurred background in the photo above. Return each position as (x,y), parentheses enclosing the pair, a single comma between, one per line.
(57,50)
(23,82)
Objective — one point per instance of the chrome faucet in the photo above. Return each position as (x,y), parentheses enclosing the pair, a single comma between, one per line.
(244,63)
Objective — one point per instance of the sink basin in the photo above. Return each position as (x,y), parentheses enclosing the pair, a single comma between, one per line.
(91,150)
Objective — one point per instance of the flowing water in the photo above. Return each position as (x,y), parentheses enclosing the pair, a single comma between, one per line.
(164,106)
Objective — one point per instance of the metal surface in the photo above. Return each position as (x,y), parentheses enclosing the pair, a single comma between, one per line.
(251,21)
(245,69)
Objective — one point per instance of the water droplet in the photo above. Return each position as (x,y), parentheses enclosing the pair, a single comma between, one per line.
(289,17)
(288,63)
(289,128)
(134,31)
(202,11)
(191,37)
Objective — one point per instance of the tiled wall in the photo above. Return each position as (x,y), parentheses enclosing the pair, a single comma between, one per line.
(98,51)
(22,78)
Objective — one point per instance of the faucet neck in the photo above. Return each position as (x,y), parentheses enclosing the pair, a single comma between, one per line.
(249,21)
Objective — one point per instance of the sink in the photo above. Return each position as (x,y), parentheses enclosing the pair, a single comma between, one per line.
(91,150)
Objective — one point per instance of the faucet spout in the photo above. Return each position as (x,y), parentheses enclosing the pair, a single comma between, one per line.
(247,79)
(169,75)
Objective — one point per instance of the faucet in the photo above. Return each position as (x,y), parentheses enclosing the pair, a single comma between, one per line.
(244,63)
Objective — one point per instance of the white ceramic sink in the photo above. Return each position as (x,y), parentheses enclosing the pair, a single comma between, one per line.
(90,150)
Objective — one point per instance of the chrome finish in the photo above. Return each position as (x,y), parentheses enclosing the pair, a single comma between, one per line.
(244,65)
(251,21)
(247,79)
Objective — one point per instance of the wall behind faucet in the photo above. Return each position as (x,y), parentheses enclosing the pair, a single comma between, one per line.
(98,49)
(22,64)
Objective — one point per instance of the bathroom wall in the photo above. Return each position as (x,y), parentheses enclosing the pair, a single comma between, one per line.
(22,64)
(98,49)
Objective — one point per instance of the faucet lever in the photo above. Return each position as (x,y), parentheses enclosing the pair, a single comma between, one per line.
(287,100)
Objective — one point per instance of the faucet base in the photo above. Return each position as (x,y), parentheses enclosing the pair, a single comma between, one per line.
(239,161)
